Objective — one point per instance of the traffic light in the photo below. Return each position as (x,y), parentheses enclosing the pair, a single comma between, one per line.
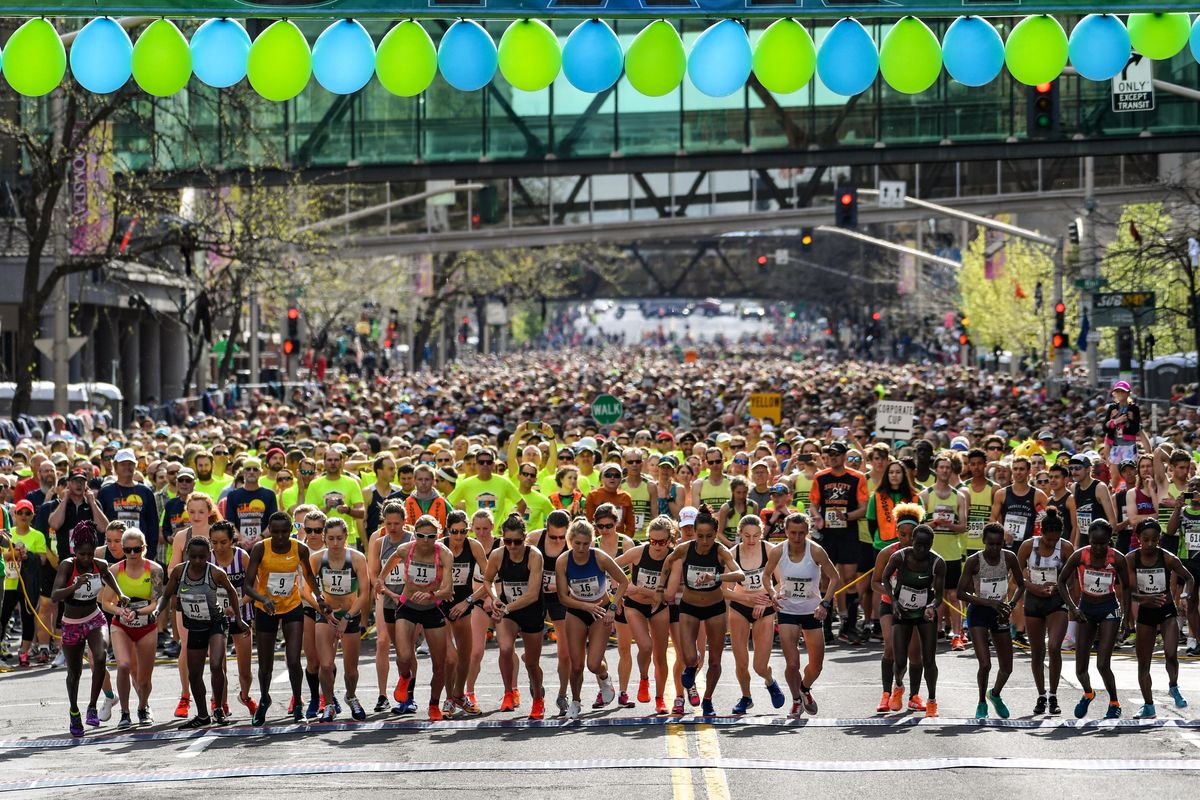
(489,206)
(1060,340)
(1075,230)
(806,238)
(845,208)
(964,339)
(877,316)
(1042,118)
(291,342)
(762,262)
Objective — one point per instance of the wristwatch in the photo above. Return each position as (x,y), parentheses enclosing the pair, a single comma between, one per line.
(826,604)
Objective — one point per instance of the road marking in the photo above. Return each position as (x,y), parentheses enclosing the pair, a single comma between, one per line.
(714,777)
(897,765)
(681,777)
(197,747)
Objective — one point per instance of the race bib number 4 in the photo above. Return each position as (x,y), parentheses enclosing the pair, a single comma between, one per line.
(1097,581)
(280,584)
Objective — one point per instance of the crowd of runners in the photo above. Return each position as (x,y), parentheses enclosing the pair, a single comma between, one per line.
(433,514)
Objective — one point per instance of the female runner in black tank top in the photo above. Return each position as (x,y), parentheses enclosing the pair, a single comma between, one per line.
(645,610)
(616,545)
(517,609)
(552,541)
(483,530)
(470,562)
(753,615)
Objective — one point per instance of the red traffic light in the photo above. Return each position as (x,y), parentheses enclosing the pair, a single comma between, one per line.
(293,312)
(1060,340)
(1043,88)
(1060,308)
(963,339)
(846,198)
(877,316)
(762,261)
(289,346)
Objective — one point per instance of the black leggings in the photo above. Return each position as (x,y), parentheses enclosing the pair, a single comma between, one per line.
(13,600)
(902,633)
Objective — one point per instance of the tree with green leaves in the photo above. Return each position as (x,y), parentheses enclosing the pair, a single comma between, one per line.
(1002,308)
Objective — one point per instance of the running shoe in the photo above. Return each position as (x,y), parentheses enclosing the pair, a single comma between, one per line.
(1148,712)
(381,704)
(981,711)
(538,709)
(777,698)
(314,708)
(1177,697)
(321,707)
(742,706)
(1021,638)
(43,655)
(297,711)
(145,717)
(607,692)
(23,659)
(221,716)
(448,706)
(435,713)
(248,702)
(623,701)
(328,715)
(468,705)
(1068,645)
(561,702)
(516,693)
(660,707)
(184,706)
(931,709)
(197,722)
(810,702)
(106,706)
(171,650)
(357,712)
(260,713)
(507,703)
(677,707)
(291,704)
(573,710)
(1081,707)
(337,707)
(693,695)
(998,704)
(407,707)
(688,678)
(915,703)
(1194,650)
(1039,707)
(423,648)
(796,709)
(400,693)
(706,708)
(643,693)
(1054,709)
(885,703)
(76,724)
(125,721)
(1113,712)
(60,659)
(957,644)
(897,699)
(93,718)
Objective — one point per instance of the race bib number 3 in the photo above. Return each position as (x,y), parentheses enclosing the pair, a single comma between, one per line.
(1015,524)
(1151,581)
(280,584)
(754,579)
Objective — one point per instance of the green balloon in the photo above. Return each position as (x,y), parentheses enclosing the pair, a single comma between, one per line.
(162,60)
(35,60)
(530,58)
(910,58)
(280,62)
(784,58)
(406,60)
(1159,36)
(656,62)
(1036,50)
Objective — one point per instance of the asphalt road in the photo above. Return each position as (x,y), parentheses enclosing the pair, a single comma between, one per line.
(845,749)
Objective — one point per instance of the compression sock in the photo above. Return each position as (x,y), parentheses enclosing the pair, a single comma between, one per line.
(887,670)
(314,683)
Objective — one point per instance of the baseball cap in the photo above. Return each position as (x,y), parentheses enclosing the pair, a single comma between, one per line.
(837,447)
(723,437)
(1045,436)
(665,436)
(251,462)
(1080,460)
(610,468)
(124,455)
(1120,386)
(779,488)
(960,443)
(23,505)
(81,472)
(186,472)
(687,516)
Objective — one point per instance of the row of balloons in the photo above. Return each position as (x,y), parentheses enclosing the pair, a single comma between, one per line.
(279,62)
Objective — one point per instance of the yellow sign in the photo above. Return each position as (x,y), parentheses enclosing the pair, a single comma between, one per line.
(767,406)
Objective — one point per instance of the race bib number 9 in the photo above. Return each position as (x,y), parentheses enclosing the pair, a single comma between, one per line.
(975,528)
(280,584)
(648,578)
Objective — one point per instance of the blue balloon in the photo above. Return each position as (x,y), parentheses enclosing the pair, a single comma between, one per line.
(1194,40)
(720,61)
(1099,46)
(102,56)
(467,56)
(972,51)
(848,60)
(220,48)
(343,57)
(592,59)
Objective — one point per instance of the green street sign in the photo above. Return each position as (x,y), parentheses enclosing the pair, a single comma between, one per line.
(606,409)
(1090,284)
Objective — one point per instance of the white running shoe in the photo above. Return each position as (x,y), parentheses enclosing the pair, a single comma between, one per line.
(106,707)
(60,660)
(607,692)
(573,710)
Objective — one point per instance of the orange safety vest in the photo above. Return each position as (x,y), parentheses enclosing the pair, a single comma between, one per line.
(885,519)
(438,509)
(556,500)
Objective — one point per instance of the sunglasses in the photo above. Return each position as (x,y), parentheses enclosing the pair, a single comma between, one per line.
(652,540)
(132,550)
(185,479)
(531,475)
(459,531)
(607,527)
(633,463)
(283,477)
(313,531)
(854,458)
(23,513)
(308,472)
(444,461)
(555,538)
(714,463)
(612,475)
(510,542)
(484,463)
(993,448)
(1042,482)
(741,461)
(425,537)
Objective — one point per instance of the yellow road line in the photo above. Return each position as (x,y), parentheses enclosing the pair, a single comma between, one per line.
(681,777)
(715,784)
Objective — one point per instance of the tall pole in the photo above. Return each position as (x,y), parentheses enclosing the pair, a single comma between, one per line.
(1055,384)
(255,358)
(60,249)
(1093,261)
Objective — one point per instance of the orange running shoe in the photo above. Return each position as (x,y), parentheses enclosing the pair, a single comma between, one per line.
(248,702)
(931,709)
(516,695)
(915,703)
(435,713)
(468,705)
(181,710)
(507,703)
(885,703)
(539,709)
(660,706)
(897,699)
(400,693)
(552,635)
(644,690)
(957,644)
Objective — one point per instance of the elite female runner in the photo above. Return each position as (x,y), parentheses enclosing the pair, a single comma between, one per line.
(233,559)
(552,542)
(905,519)
(648,619)
(201,514)
(914,578)
(1042,557)
(704,564)
(77,586)
(469,560)
(428,570)
(754,614)
(608,540)
(346,584)
(984,586)
(517,609)
(582,575)
(134,635)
